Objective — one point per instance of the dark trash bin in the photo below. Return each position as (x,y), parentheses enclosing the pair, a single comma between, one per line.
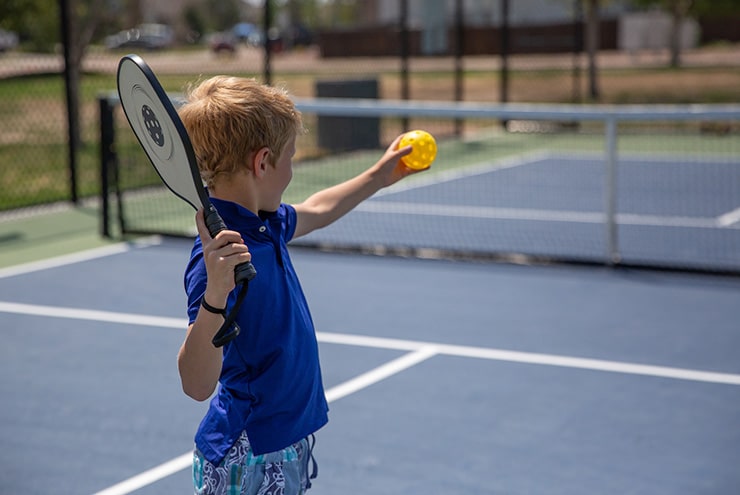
(337,133)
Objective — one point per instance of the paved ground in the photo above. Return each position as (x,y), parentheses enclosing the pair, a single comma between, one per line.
(299,60)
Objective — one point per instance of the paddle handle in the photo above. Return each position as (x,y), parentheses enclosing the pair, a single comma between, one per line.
(244,272)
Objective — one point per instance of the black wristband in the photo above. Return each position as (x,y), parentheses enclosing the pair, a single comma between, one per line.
(211,309)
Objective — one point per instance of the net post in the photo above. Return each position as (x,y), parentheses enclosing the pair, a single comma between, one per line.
(106,158)
(612,244)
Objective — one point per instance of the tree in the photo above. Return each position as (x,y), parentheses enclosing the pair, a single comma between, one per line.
(716,8)
(83,17)
(223,14)
(35,21)
(679,11)
(80,19)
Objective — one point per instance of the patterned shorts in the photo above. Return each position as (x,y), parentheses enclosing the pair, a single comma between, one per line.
(284,472)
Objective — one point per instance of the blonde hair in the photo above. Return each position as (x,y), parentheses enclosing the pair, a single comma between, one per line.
(229,118)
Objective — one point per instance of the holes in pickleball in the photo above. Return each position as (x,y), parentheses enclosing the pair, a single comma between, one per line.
(152,125)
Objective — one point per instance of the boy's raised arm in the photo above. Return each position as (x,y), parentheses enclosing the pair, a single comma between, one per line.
(328,205)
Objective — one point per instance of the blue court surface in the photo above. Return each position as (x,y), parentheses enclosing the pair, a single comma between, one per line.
(443,377)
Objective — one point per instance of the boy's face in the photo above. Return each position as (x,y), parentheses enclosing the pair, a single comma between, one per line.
(279,176)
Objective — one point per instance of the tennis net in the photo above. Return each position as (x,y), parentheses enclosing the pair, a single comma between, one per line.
(655,186)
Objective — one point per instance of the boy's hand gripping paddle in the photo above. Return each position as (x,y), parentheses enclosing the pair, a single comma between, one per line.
(162,134)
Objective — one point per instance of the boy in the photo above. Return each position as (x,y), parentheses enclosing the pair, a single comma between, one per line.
(254,438)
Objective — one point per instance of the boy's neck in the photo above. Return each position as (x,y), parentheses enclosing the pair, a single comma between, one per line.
(237,189)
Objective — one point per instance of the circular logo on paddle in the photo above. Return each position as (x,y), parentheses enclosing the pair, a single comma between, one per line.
(152,125)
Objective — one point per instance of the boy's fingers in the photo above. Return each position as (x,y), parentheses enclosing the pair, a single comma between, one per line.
(225,237)
(200,223)
(399,152)
(396,141)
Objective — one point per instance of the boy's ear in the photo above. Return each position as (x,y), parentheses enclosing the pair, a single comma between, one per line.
(260,161)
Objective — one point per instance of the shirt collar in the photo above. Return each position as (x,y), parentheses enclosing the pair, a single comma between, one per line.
(237,217)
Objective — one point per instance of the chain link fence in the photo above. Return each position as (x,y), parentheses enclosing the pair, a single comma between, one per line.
(487,51)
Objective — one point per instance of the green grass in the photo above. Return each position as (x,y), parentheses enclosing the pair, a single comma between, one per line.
(33,133)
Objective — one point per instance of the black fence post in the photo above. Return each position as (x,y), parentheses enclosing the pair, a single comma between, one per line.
(504,51)
(107,156)
(267,24)
(577,49)
(405,48)
(71,92)
(459,59)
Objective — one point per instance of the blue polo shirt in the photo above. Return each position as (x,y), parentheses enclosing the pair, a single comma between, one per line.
(270,382)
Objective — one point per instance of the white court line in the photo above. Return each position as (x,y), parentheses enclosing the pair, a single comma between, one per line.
(150,476)
(92,315)
(479,212)
(416,182)
(533,358)
(494,213)
(649,159)
(69,259)
(722,221)
(399,344)
(351,386)
(729,218)
(381,372)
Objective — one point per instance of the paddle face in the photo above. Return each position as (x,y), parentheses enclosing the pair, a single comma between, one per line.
(162,134)
(160,131)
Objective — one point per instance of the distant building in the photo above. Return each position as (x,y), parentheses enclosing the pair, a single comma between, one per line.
(651,30)
(488,12)
(636,30)
(433,18)
(169,12)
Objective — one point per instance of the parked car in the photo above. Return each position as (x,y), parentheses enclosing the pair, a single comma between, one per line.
(243,31)
(147,36)
(222,42)
(301,35)
(247,33)
(8,40)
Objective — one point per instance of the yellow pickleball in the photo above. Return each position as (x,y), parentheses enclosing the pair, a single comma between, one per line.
(424,149)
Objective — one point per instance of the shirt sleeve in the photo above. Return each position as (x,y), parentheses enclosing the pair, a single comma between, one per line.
(289,219)
(195,280)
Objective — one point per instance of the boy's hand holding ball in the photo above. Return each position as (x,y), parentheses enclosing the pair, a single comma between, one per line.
(424,149)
